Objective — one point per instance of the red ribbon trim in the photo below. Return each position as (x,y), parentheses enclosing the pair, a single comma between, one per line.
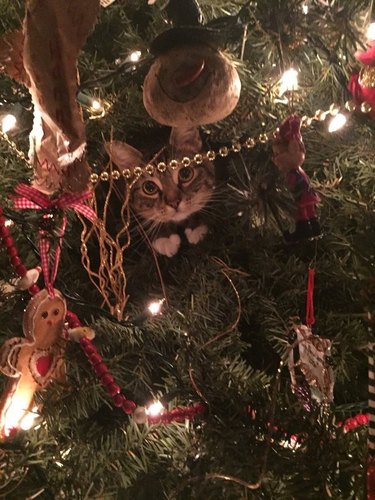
(310,317)
(31,198)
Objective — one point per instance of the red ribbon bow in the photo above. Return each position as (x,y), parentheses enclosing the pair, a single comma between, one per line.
(30,197)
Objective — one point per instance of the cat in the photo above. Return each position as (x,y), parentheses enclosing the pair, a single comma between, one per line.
(167,201)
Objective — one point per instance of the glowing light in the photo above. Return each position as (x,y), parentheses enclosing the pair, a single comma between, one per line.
(291,443)
(155,409)
(8,223)
(28,420)
(17,410)
(135,56)
(337,122)
(96,105)
(155,307)
(7,123)
(289,81)
(305,8)
(370,32)
(65,454)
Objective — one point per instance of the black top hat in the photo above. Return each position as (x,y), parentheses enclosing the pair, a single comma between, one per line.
(185,35)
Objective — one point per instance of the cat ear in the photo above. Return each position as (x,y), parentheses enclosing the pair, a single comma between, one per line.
(124,155)
(185,139)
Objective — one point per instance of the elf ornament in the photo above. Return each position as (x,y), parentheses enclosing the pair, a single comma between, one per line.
(34,361)
(191,82)
(362,85)
(288,156)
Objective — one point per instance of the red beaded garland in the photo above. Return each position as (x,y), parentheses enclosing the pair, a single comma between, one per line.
(95,358)
(84,341)
(12,251)
(15,260)
(128,406)
(113,389)
(100,368)
(8,241)
(89,349)
(106,379)
(21,270)
(4,231)
(34,289)
(118,400)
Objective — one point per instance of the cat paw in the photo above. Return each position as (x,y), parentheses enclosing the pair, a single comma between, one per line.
(167,246)
(197,234)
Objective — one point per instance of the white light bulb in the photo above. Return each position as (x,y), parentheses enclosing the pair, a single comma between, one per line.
(155,307)
(155,409)
(337,122)
(289,81)
(370,32)
(96,105)
(305,8)
(8,122)
(8,223)
(135,56)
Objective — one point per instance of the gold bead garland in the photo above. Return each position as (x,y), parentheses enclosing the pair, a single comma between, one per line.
(236,147)
(13,146)
(224,151)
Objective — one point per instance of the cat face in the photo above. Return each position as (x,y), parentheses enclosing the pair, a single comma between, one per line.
(174,195)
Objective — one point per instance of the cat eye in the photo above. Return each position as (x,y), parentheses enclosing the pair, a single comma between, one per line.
(185,174)
(44,314)
(55,312)
(150,187)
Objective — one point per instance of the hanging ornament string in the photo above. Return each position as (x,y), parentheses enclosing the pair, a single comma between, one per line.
(30,198)
(310,317)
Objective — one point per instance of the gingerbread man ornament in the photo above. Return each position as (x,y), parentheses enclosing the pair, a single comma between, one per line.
(34,361)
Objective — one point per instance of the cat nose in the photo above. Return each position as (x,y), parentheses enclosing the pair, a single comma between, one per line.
(173,203)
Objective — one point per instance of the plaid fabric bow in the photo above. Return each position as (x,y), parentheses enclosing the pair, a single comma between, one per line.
(29,197)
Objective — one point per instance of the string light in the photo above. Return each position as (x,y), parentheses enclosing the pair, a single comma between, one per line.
(305,8)
(289,81)
(154,409)
(155,306)
(337,122)
(370,32)
(96,107)
(135,56)
(8,122)
(16,412)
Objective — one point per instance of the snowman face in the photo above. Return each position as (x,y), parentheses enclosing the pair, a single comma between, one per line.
(49,321)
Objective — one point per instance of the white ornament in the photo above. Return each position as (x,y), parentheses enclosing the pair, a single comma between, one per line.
(79,332)
(30,278)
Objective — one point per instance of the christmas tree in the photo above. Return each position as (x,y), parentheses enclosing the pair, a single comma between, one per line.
(205,341)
